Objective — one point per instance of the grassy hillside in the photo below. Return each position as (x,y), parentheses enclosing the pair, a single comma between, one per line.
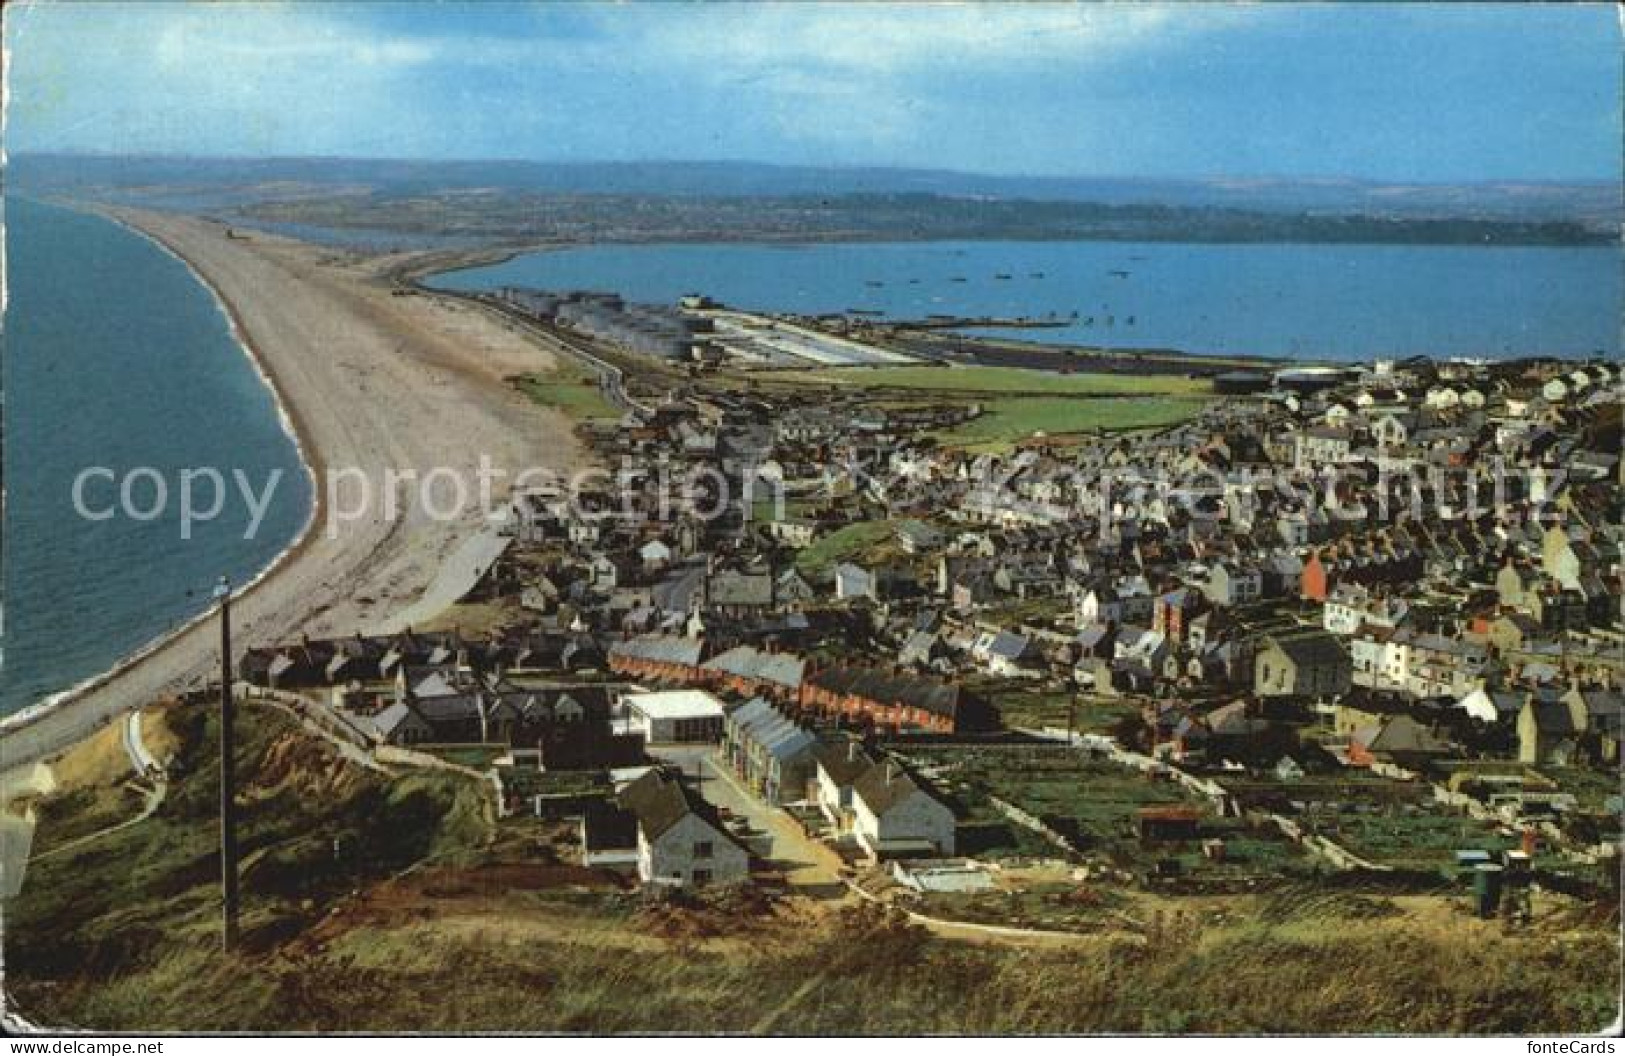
(571,962)
(390,903)
(313,829)
(1007,421)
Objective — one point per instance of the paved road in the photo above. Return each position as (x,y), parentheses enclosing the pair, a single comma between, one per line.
(809,866)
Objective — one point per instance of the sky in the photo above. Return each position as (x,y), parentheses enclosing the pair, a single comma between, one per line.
(1408,92)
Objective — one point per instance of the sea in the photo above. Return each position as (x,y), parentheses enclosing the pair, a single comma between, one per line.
(115,355)
(1333,302)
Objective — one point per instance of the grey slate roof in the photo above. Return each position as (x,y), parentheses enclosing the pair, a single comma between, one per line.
(741,588)
(843,761)
(746,661)
(1312,650)
(883,786)
(659,648)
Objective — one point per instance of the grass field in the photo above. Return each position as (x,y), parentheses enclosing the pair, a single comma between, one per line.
(1008,420)
(1001,380)
(842,544)
(570,389)
(1095,803)
(1406,840)
(1029,708)
(549,963)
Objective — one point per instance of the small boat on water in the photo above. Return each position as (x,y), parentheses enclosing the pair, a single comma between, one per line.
(873,282)
(1035,275)
(959,278)
(1001,275)
(1118,273)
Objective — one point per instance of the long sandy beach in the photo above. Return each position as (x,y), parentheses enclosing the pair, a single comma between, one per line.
(372,382)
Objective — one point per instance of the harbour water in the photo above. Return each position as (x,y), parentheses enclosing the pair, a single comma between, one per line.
(116,356)
(1343,302)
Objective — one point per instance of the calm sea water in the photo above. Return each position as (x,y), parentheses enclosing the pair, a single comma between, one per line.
(114,355)
(1313,301)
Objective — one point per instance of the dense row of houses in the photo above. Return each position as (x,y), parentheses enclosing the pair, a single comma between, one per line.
(1420,562)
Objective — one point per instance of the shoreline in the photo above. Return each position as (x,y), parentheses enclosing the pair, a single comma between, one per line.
(309,460)
(326,339)
(414,269)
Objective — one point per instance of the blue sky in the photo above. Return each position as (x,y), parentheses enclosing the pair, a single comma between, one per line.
(1410,92)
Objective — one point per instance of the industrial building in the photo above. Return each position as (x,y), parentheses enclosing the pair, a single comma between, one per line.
(662,331)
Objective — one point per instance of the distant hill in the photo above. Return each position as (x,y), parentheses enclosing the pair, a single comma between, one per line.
(1588,212)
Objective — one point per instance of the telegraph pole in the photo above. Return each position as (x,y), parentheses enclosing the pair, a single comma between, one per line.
(228,777)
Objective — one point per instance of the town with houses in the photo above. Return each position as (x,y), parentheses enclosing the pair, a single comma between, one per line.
(873,521)
(1344,626)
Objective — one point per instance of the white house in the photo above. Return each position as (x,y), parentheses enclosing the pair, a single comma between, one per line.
(679,715)
(837,765)
(1002,652)
(1233,584)
(1376,659)
(1099,605)
(1487,705)
(680,841)
(853,581)
(1442,397)
(1389,431)
(792,531)
(894,817)
(1350,605)
(1438,666)
(1322,445)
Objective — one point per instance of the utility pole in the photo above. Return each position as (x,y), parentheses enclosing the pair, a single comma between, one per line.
(228,777)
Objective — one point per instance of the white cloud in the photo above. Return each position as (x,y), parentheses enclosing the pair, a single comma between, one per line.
(892,38)
(303,77)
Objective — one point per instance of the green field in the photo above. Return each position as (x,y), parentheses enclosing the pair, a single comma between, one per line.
(1023,706)
(1009,420)
(1099,800)
(570,389)
(1002,380)
(843,544)
(1406,840)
